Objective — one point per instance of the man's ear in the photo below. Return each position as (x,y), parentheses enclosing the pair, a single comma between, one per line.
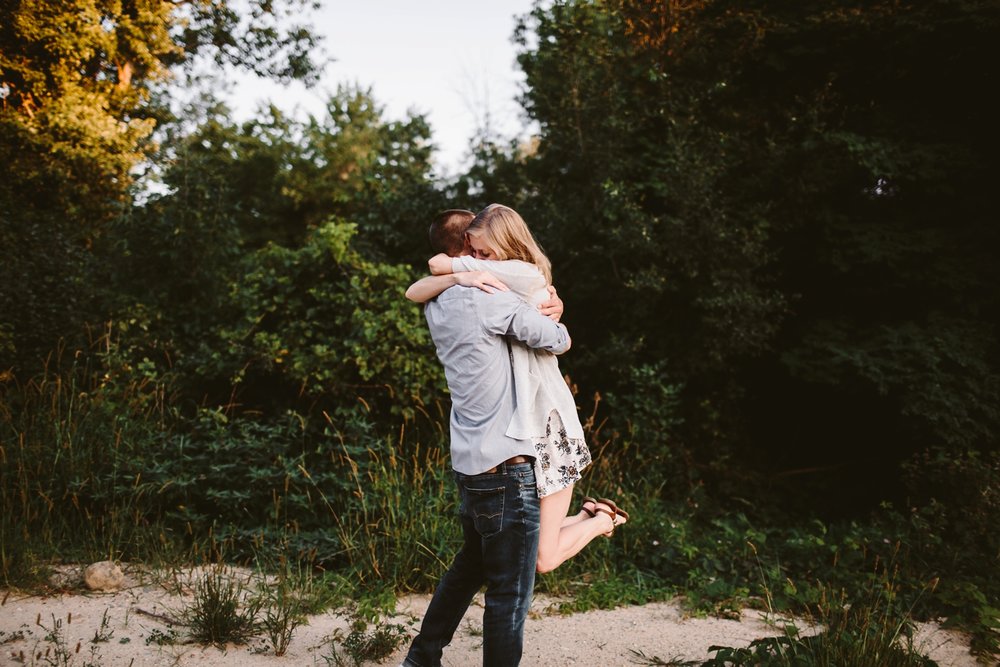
(466,246)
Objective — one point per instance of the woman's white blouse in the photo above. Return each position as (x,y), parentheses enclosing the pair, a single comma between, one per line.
(539,387)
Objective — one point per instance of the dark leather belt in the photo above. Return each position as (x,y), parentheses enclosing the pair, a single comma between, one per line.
(510,461)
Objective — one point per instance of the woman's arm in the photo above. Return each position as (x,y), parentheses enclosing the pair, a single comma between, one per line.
(522,277)
(429,287)
(440,264)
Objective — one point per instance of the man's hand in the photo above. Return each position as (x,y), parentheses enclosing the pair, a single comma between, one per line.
(484,280)
(439,264)
(553,308)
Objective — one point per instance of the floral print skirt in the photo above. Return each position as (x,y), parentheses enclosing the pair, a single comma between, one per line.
(559,459)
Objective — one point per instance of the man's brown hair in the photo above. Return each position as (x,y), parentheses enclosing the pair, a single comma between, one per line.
(447,232)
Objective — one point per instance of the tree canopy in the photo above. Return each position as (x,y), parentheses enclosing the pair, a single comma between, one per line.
(771,222)
(76,119)
(780,208)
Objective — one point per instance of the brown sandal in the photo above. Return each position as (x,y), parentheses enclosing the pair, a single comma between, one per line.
(612,511)
(613,506)
(583,508)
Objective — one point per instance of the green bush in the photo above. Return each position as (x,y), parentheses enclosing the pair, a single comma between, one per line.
(325,324)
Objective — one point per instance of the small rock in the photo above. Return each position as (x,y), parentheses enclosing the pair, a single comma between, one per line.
(103,576)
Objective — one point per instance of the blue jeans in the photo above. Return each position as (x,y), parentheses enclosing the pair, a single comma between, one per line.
(500,517)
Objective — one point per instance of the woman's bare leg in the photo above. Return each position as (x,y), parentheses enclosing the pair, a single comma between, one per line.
(559,541)
(579,516)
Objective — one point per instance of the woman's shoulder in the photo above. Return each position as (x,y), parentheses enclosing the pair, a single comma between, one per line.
(517,266)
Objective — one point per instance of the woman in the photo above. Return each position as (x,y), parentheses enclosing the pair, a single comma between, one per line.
(501,244)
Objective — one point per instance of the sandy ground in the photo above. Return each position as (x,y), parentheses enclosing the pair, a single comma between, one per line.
(134,618)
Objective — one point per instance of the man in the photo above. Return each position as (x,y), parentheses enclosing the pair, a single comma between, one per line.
(495,473)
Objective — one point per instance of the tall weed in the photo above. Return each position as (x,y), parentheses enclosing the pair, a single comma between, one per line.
(70,442)
(403,521)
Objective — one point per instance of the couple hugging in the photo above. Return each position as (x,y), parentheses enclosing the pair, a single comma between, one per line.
(517,446)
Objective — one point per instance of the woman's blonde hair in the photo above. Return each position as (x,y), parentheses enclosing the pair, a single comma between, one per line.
(506,233)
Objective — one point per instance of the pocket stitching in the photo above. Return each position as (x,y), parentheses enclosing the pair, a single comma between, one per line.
(479,519)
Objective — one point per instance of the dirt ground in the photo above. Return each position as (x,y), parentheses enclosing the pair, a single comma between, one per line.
(136,633)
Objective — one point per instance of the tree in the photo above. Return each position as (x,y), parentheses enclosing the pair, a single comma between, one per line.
(664,279)
(75,81)
(239,193)
(787,201)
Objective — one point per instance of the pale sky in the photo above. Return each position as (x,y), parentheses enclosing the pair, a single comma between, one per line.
(452,60)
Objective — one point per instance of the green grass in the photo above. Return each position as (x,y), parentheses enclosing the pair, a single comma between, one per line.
(871,630)
(337,507)
(362,645)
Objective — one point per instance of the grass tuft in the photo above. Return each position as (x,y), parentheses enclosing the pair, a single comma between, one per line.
(223,611)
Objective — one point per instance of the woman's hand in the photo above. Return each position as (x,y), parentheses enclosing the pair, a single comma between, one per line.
(553,308)
(439,264)
(484,280)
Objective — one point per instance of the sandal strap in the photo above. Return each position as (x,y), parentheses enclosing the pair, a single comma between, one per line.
(612,505)
(610,513)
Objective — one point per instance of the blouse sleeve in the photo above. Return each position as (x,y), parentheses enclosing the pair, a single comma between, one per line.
(522,277)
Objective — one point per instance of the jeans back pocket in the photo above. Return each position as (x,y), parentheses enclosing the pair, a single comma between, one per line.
(485,506)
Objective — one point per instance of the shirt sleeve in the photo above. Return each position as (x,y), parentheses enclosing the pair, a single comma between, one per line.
(506,314)
(522,277)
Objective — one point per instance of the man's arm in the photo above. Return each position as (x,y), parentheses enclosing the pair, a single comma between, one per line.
(429,287)
(506,314)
